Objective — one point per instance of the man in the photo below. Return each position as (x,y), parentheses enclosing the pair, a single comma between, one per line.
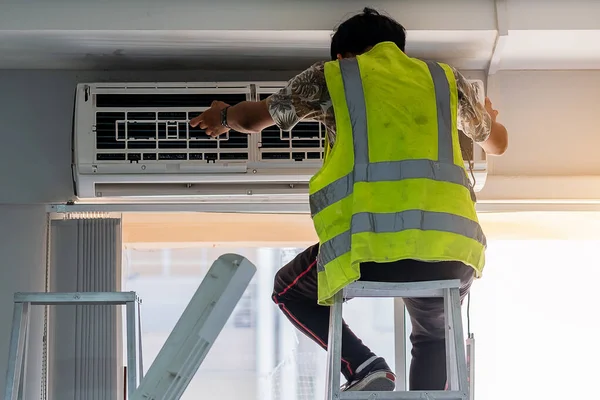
(392,201)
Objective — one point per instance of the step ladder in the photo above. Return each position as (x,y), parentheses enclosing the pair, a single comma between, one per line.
(15,373)
(459,375)
(185,348)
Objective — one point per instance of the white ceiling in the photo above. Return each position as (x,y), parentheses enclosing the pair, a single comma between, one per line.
(214,49)
(266,34)
(552,49)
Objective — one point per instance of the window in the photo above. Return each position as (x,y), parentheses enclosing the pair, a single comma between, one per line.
(534,313)
(534,320)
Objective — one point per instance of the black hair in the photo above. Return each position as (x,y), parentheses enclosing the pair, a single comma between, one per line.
(365,30)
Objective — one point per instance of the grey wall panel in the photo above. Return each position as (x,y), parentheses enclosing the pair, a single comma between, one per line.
(22,269)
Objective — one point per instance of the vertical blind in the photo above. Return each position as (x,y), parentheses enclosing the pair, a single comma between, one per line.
(85,359)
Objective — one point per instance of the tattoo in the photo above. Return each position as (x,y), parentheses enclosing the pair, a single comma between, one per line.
(473,119)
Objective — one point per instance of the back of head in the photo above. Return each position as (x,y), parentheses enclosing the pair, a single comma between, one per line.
(365,30)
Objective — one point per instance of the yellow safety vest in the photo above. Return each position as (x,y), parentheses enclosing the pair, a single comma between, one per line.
(394,185)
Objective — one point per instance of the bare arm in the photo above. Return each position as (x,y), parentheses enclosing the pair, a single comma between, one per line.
(245,117)
(249,116)
(478,121)
(304,97)
(497,142)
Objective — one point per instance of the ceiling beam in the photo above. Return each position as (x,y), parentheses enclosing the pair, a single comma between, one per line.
(315,15)
(238,14)
(501,37)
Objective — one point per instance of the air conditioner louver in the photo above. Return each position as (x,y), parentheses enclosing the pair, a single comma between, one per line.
(154,126)
(165,100)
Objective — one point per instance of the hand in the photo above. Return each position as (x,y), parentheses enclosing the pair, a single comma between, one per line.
(210,120)
(488,107)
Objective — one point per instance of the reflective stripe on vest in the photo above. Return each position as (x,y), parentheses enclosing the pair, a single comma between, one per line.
(443,170)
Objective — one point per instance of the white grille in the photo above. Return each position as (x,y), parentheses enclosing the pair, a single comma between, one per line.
(155,135)
(133,125)
(305,142)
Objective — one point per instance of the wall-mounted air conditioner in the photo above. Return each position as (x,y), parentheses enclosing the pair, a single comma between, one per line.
(134,140)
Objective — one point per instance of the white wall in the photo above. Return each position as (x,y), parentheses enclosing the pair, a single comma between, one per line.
(552,118)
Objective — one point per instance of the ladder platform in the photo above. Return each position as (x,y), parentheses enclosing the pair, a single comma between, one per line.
(77,298)
(421,395)
(400,289)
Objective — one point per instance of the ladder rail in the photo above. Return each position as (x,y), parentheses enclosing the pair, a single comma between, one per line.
(417,395)
(16,352)
(76,298)
(334,346)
